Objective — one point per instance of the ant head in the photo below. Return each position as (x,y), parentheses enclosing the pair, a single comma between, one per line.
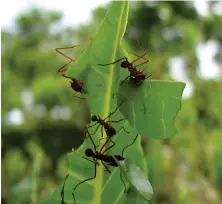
(125,64)
(76,86)
(89,152)
(94,118)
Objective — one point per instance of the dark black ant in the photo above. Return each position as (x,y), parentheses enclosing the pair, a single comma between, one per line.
(110,131)
(62,192)
(136,77)
(76,85)
(105,159)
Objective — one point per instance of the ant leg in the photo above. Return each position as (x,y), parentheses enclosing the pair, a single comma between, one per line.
(94,145)
(130,144)
(99,141)
(141,63)
(96,130)
(88,178)
(62,192)
(138,58)
(74,198)
(124,80)
(117,121)
(109,139)
(141,56)
(65,48)
(123,182)
(113,62)
(123,130)
(89,126)
(106,168)
(97,163)
(101,137)
(115,109)
(64,68)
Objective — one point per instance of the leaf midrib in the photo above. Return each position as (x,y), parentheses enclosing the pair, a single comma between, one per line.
(99,179)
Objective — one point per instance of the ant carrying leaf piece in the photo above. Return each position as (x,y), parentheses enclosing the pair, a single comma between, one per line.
(136,77)
(76,85)
(105,160)
(110,131)
(136,178)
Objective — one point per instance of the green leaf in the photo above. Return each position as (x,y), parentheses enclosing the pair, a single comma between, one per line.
(136,178)
(111,188)
(101,82)
(152,107)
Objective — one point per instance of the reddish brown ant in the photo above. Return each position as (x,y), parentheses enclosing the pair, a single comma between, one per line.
(105,160)
(136,77)
(76,85)
(110,131)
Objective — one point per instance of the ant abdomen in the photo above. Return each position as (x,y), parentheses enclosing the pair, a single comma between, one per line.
(137,79)
(111,132)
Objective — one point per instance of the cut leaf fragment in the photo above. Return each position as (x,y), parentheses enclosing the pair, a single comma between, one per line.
(136,178)
(152,107)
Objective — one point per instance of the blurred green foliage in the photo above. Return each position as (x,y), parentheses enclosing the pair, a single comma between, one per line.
(183,169)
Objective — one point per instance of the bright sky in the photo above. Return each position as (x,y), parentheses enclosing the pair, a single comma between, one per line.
(76,12)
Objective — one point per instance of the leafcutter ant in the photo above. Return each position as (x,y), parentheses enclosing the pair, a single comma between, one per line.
(105,159)
(136,77)
(110,131)
(76,85)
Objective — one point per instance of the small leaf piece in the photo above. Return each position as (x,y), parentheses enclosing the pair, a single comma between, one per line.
(136,178)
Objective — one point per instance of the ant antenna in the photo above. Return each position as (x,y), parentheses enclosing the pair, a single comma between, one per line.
(94,145)
(130,144)
(62,192)
(113,62)
(116,108)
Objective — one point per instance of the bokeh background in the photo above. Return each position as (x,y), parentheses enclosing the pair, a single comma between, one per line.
(42,120)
